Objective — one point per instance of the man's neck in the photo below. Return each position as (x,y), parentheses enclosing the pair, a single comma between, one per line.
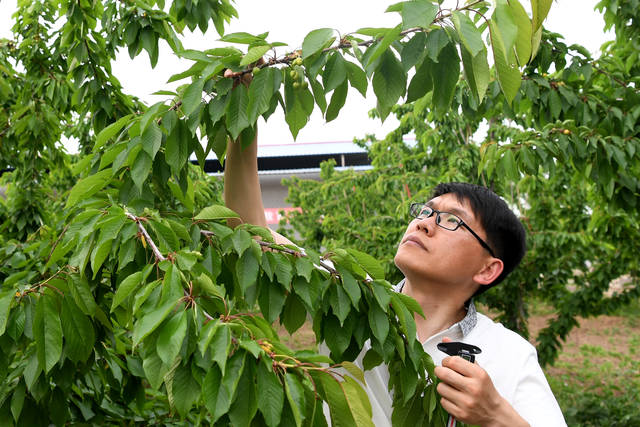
(442,308)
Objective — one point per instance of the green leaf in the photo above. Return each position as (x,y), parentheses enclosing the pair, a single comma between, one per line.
(247,270)
(523,40)
(110,131)
(185,390)
(140,169)
(236,118)
(369,263)
(316,40)
(469,34)
(151,321)
(318,94)
(446,73)
(418,14)
(422,82)
(271,301)
(540,9)
(242,37)
(382,47)
(476,71)
(5,304)
(88,186)
(389,82)
(244,408)
(414,50)
(261,90)
(192,96)
(357,78)
(350,285)
(82,295)
(216,212)
(241,241)
(508,74)
(154,370)
(294,314)
(379,322)
(283,269)
(220,346)
(335,72)
(151,140)
(213,392)
(410,303)
(171,337)
(79,335)
(270,397)
(295,395)
(47,332)
(254,54)
(338,98)
(334,395)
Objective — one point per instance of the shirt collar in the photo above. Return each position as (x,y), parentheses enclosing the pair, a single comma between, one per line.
(470,319)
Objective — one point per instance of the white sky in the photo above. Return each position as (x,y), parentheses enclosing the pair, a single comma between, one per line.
(289,21)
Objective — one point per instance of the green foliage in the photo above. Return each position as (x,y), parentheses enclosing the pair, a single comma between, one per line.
(561,147)
(125,298)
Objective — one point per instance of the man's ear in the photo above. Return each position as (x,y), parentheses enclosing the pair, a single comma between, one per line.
(489,272)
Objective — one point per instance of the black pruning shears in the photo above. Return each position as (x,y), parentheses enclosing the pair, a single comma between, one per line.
(464,350)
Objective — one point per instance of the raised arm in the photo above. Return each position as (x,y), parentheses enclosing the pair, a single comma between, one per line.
(242,192)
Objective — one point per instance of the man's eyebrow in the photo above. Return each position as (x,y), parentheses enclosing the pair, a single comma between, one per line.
(463,214)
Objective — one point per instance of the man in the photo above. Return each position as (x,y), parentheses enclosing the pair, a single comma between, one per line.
(461,242)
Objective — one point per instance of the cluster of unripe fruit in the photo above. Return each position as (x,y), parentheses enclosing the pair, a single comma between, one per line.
(297,74)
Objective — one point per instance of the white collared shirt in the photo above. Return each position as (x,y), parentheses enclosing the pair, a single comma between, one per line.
(510,360)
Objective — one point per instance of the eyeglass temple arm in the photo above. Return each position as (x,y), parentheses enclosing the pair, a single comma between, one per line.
(482,242)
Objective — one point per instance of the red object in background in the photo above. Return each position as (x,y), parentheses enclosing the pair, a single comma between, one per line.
(273,214)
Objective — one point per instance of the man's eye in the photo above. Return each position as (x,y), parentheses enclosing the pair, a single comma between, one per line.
(452,220)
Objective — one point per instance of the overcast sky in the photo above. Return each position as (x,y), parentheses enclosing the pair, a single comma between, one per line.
(289,21)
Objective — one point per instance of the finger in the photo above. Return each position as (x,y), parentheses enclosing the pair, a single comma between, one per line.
(460,365)
(451,408)
(446,339)
(450,377)
(228,73)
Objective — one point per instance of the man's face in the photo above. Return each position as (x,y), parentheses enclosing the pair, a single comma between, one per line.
(429,252)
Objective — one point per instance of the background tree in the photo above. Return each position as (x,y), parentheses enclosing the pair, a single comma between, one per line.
(564,154)
(125,297)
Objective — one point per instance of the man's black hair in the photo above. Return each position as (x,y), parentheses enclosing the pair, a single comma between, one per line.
(504,231)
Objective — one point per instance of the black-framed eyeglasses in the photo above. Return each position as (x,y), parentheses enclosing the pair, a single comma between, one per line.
(446,220)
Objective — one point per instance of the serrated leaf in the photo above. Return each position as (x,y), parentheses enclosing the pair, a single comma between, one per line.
(128,285)
(270,397)
(185,390)
(379,322)
(79,335)
(316,40)
(418,14)
(171,337)
(508,74)
(476,71)
(357,78)
(236,119)
(469,34)
(88,186)
(47,332)
(151,140)
(254,54)
(151,321)
(110,131)
(446,73)
(523,40)
(271,301)
(389,82)
(335,72)
(261,90)
(192,96)
(5,304)
(247,270)
(295,395)
(294,314)
(369,263)
(338,98)
(140,169)
(540,9)
(334,395)
(216,212)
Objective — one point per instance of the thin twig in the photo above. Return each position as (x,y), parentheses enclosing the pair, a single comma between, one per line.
(145,234)
(64,230)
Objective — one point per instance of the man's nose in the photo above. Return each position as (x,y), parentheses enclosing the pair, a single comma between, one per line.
(426,223)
